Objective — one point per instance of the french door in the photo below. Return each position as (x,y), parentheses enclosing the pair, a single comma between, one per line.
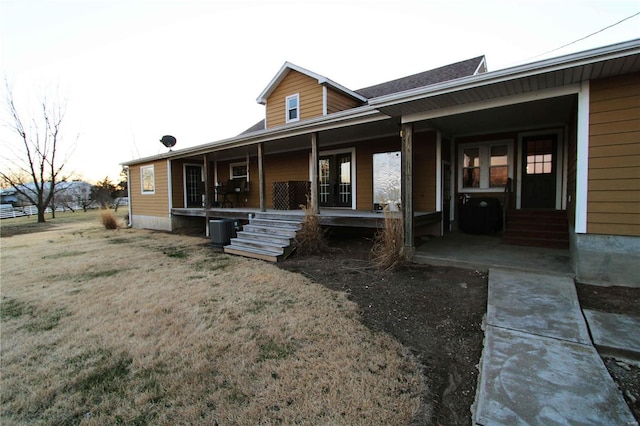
(193,186)
(334,180)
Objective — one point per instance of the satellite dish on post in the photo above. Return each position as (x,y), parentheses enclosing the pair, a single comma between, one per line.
(168,141)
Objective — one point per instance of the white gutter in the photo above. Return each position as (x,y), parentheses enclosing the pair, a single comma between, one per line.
(548,65)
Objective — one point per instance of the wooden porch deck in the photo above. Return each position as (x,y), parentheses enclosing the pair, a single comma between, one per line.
(327,216)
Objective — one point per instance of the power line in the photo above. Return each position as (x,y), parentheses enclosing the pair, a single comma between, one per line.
(585,37)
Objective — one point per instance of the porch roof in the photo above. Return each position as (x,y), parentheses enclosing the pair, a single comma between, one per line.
(607,61)
(440,99)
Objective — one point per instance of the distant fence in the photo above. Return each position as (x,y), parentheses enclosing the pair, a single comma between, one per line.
(7,211)
(10,211)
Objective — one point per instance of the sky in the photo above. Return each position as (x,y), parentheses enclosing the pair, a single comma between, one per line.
(131,71)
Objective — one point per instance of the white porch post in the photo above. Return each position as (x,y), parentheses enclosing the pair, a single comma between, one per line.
(582,159)
(407,188)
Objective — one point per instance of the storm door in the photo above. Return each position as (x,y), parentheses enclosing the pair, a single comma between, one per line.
(193,186)
(334,180)
(539,171)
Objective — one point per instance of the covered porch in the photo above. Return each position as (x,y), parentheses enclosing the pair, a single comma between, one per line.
(427,222)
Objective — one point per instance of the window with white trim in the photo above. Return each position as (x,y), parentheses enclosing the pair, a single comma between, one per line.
(292,108)
(239,170)
(148,179)
(485,166)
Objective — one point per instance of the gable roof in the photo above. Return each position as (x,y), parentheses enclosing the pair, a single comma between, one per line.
(453,71)
(322,80)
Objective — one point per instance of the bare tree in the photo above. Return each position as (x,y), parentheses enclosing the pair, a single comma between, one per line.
(34,157)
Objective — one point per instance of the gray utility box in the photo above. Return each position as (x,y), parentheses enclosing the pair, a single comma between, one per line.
(221,231)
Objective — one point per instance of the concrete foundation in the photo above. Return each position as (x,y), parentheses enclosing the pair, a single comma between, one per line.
(152,222)
(606,260)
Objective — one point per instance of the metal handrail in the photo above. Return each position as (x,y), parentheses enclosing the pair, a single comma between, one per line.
(505,202)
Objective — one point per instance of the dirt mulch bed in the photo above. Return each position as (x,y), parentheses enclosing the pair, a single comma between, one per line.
(437,312)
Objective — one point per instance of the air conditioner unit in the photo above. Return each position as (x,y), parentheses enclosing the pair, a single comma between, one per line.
(221,231)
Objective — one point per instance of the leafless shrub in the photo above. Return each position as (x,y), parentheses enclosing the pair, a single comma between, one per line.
(388,244)
(311,238)
(108,219)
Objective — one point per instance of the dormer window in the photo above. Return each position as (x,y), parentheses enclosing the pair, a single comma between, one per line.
(292,108)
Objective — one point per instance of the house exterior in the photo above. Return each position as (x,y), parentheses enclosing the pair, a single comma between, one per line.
(558,136)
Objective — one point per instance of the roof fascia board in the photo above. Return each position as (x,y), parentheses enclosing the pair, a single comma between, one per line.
(482,62)
(326,82)
(360,115)
(526,70)
(493,103)
(322,80)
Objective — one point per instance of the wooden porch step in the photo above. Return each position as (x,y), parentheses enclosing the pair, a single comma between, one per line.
(262,245)
(266,239)
(262,229)
(253,253)
(276,223)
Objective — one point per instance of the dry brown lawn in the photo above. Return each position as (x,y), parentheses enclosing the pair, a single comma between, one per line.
(138,327)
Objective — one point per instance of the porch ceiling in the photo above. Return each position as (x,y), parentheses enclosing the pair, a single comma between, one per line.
(528,115)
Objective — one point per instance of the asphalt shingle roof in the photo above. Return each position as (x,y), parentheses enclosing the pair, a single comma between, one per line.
(426,78)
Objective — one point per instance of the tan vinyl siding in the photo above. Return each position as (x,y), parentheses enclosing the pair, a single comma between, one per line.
(311,98)
(156,204)
(424,172)
(292,166)
(337,101)
(614,156)
(177,183)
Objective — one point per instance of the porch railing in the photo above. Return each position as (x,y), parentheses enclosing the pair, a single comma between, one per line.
(506,201)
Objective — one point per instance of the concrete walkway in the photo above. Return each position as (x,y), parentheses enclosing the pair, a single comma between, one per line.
(538,365)
(483,252)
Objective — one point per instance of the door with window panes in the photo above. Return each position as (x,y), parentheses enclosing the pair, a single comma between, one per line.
(194,186)
(538,188)
(334,180)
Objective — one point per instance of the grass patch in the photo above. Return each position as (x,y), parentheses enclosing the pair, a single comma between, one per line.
(64,254)
(274,350)
(120,240)
(107,375)
(13,308)
(45,320)
(206,339)
(175,252)
(92,275)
